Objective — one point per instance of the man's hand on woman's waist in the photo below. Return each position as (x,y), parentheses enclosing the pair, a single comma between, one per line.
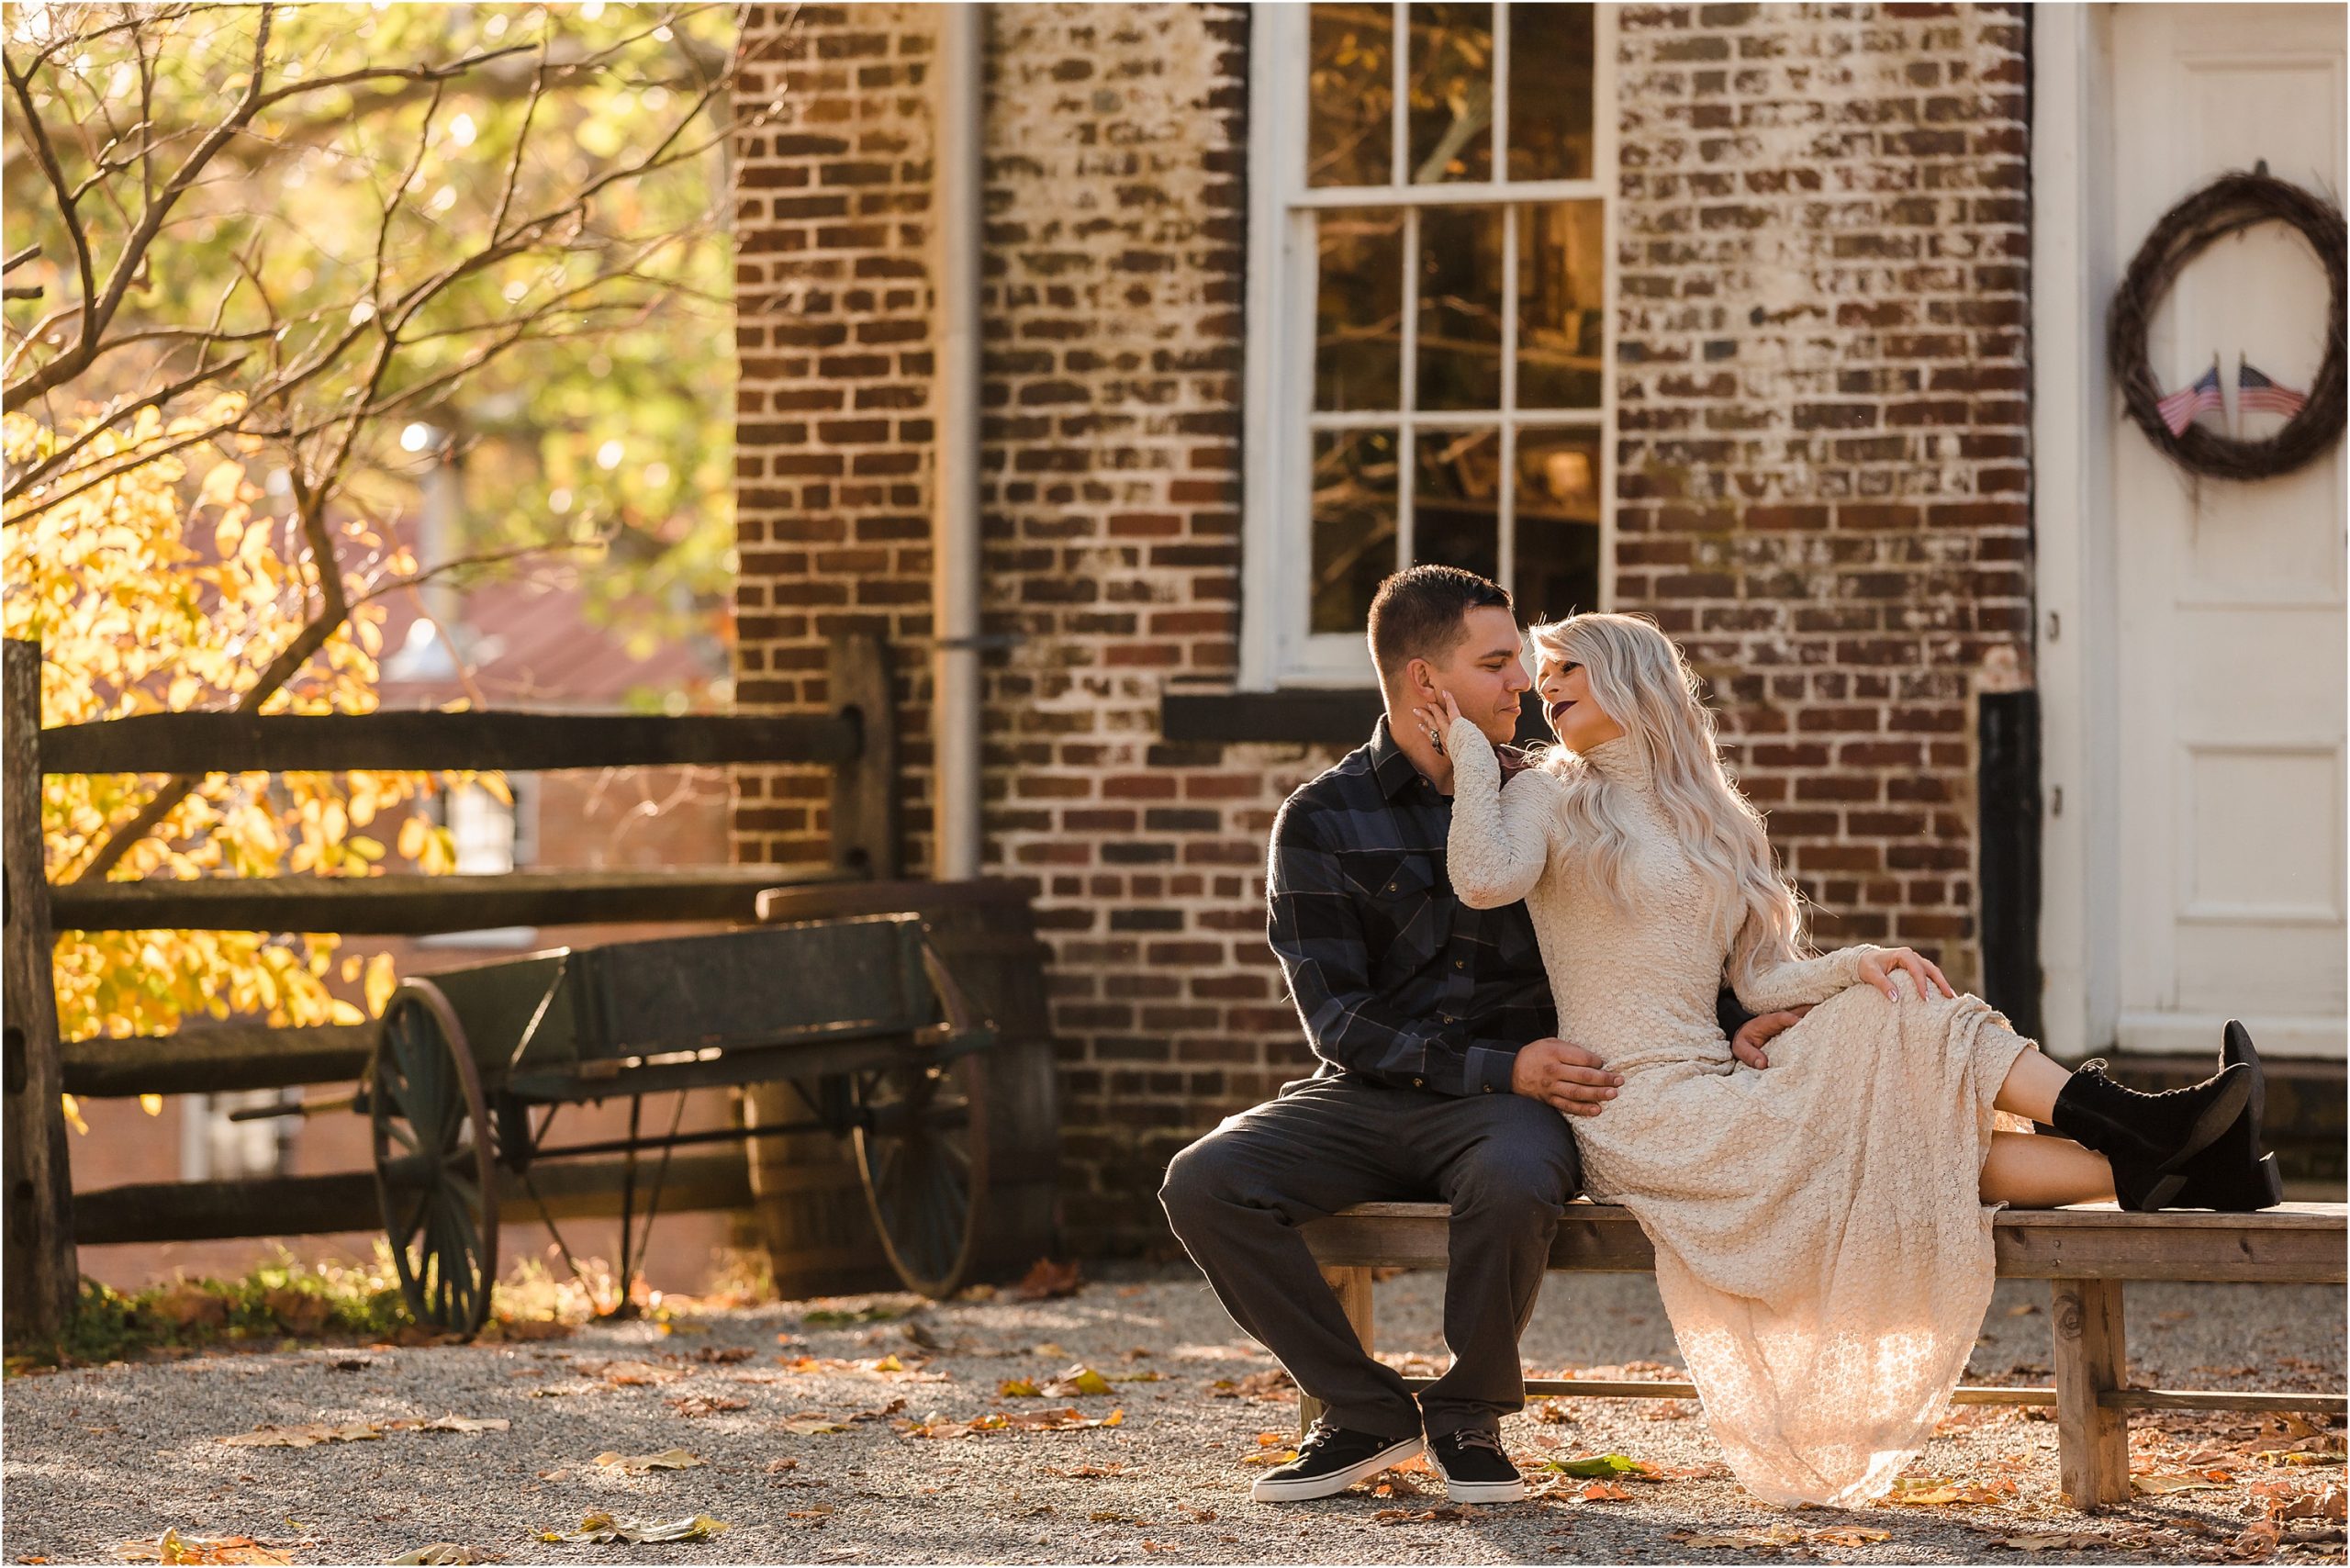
(1566,1077)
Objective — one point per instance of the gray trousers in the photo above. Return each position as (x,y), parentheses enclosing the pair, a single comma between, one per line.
(1505,1163)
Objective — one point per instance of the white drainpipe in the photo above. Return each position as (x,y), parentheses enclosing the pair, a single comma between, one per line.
(956,191)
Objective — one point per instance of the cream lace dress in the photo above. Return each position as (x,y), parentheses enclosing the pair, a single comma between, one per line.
(1820,1244)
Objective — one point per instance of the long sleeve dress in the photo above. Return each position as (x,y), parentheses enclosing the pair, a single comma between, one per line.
(1821,1246)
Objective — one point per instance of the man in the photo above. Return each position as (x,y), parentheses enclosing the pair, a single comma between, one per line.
(1438,1076)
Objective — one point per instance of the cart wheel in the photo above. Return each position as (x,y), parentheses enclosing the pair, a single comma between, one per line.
(434,1160)
(922,1150)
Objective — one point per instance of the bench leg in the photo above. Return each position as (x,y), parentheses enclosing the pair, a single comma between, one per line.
(1352,1287)
(2091,1355)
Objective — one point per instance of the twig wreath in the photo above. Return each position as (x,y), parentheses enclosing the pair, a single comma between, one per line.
(2230,204)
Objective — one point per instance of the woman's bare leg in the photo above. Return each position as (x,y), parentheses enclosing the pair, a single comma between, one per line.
(2026,1171)
(2031,1088)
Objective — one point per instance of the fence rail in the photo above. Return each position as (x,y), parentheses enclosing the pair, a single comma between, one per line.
(42,1219)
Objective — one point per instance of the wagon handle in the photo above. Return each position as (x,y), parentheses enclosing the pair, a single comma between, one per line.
(962,1021)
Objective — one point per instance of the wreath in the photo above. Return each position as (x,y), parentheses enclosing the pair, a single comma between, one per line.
(2226,206)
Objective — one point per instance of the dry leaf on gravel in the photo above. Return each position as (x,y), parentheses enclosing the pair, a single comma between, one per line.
(694,1404)
(602,1530)
(809,1423)
(1066,1420)
(642,1463)
(1847,1536)
(441,1551)
(307,1437)
(2058,1540)
(2163,1484)
(1089,1471)
(171,1547)
(723,1355)
(1274,1385)
(450,1423)
(1078,1382)
(1448,1514)
(883,1413)
(1605,1465)
(1777,1538)
(1047,1281)
(2258,1541)
(1603,1491)
(1019,1388)
(1940,1491)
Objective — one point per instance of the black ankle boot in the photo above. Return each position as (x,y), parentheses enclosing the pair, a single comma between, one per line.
(2233,1175)
(2149,1138)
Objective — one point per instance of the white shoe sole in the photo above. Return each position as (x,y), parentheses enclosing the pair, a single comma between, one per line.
(1269,1490)
(1478,1490)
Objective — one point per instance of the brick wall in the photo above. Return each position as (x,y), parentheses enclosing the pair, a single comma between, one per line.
(1823,430)
(1828,498)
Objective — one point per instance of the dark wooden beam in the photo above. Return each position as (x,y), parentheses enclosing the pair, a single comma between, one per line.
(41,1274)
(218,1060)
(412,905)
(346,1201)
(393,742)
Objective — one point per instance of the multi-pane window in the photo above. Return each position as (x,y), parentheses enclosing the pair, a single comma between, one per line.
(1429,338)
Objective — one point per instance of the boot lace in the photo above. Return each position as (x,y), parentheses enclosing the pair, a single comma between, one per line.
(1477,1437)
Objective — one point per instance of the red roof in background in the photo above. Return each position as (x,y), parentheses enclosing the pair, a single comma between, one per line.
(533,644)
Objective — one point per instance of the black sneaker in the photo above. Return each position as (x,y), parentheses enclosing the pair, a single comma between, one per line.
(1475,1469)
(1330,1460)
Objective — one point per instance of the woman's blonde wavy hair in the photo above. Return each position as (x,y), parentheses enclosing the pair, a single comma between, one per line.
(1639,680)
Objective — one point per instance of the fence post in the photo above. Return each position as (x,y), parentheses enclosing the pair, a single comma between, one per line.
(864,813)
(42,1274)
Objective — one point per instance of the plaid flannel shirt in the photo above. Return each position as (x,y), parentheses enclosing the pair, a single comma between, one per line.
(1397,981)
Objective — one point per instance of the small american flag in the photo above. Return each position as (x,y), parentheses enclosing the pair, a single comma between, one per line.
(2254,390)
(2182,408)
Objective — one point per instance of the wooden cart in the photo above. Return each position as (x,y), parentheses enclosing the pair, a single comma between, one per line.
(860,1014)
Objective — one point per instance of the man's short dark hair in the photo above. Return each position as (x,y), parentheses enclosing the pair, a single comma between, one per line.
(1423,612)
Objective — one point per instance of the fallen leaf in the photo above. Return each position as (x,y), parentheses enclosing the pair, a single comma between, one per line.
(1274,1385)
(1444,1514)
(2057,1540)
(307,1437)
(2163,1485)
(832,1318)
(1047,1281)
(452,1423)
(809,1423)
(1271,1457)
(171,1547)
(1091,1471)
(723,1355)
(1599,1464)
(1019,1388)
(1603,1491)
(639,1464)
(694,1404)
(441,1552)
(883,1413)
(1847,1535)
(778,1466)
(1078,1381)
(602,1530)
(1774,1538)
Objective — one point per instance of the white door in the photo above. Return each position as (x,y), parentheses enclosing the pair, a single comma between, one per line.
(2228,604)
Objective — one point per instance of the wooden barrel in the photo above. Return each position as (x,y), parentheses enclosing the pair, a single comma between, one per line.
(809,1200)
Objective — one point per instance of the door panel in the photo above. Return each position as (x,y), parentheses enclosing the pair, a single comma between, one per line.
(2229,602)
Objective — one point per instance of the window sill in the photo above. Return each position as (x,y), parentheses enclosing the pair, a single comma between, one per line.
(1297,716)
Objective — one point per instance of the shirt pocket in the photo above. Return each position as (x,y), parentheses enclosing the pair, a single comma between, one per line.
(1402,917)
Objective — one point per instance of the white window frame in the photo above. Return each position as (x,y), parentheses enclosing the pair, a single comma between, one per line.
(1276,648)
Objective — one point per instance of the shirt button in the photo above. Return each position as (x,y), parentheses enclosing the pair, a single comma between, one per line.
(1391,887)
(1444,1017)
(1489,1088)
(1460,963)
(1417,1084)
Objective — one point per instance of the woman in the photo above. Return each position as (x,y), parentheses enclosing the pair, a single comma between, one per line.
(1822,1226)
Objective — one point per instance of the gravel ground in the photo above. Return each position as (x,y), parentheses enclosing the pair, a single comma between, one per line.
(96,1457)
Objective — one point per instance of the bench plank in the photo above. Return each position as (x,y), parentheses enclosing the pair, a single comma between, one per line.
(2296,1243)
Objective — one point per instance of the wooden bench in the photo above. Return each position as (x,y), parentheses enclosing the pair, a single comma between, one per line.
(2085,1254)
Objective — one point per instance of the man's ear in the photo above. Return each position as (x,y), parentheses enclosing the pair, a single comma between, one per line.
(1419,680)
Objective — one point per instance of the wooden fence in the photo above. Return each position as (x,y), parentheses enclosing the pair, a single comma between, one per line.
(44,1219)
